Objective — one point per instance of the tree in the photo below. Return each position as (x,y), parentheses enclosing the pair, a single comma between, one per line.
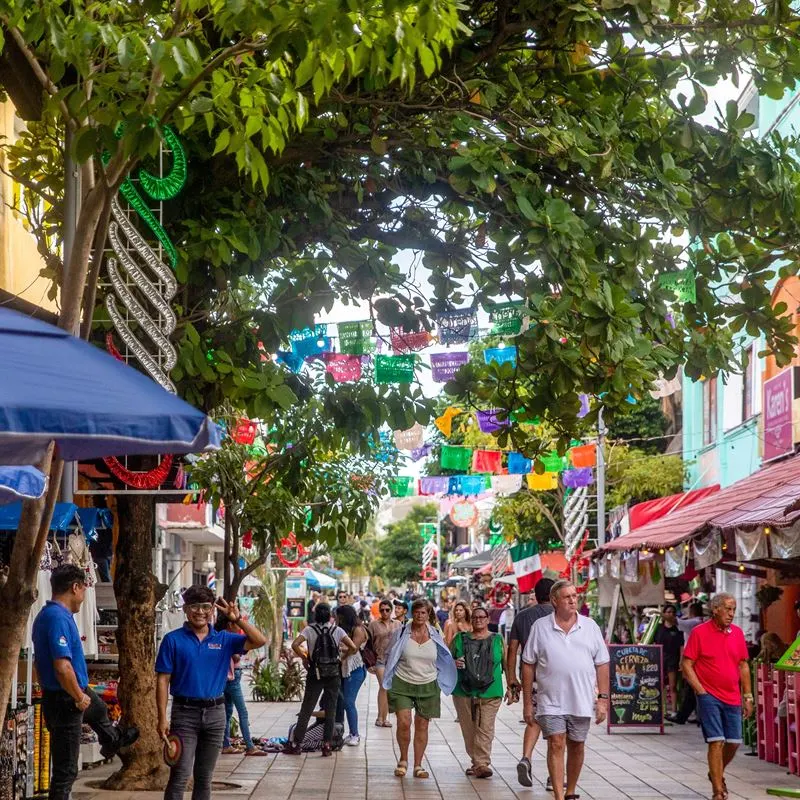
(400,550)
(645,424)
(634,475)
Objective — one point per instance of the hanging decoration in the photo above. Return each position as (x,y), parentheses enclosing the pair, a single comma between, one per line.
(506,484)
(500,355)
(574,478)
(455,457)
(499,560)
(445,422)
(509,319)
(344,368)
(518,464)
(151,479)
(384,450)
(464,514)
(682,283)
(411,438)
(552,461)
(434,484)
(488,421)
(418,453)
(355,338)
(290,552)
(487,461)
(395,369)
(464,485)
(401,486)
(310,342)
(404,341)
(444,366)
(584,409)
(584,455)
(247,540)
(542,483)
(576,516)
(290,359)
(457,327)
(245,431)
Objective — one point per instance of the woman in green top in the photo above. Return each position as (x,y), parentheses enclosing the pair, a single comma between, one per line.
(479,692)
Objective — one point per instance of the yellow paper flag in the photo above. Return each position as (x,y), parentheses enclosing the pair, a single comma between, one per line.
(445,422)
(543,482)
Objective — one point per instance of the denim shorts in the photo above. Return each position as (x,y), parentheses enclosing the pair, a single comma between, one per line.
(576,728)
(721,722)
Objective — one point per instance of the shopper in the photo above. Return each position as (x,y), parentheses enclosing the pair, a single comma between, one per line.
(353,673)
(520,631)
(401,611)
(443,612)
(480,659)
(342,598)
(313,600)
(67,700)
(234,698)
(670,637)
(419,667)
(192,665)
(715,664)
(381,630)
(321,646)
(460,621)
(567,657)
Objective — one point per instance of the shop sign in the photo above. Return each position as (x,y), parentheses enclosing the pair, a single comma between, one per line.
(296,609)
(295,588)
(778,395)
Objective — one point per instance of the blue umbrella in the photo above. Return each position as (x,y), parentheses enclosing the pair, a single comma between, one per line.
(56,387)
(21,483)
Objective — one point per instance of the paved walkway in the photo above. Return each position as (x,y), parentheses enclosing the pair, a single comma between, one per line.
(618,767)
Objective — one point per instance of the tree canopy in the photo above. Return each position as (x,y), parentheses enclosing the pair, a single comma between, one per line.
(400,550)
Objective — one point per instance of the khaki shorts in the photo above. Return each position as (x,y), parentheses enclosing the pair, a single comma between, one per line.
(424,698)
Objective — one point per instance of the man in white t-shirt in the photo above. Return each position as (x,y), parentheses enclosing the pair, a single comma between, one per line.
(567,657)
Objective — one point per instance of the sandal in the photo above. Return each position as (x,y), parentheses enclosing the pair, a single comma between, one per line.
(421,772)
(401,769)
(231,751)
(723,795)
(386,724)
(327,749)
(571,797)
(256,752)
(469,772)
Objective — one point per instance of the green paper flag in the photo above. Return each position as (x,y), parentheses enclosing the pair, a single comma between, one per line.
(401,486)
(355,338)
(395,369)
(427,530)
(552,461)
(682,283)
(507,318)
(456,457)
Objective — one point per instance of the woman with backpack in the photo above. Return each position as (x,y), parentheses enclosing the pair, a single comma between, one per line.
(321,646)
(353,672)
(480,659)
(419,667)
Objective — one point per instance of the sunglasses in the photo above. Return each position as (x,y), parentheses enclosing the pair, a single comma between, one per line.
(386,608)
(202,607)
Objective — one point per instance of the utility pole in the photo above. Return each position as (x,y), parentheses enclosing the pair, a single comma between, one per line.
(601,480)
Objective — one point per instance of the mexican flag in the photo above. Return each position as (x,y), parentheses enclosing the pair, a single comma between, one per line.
(527,565)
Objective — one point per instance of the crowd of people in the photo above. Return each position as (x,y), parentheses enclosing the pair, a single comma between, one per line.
(556,662)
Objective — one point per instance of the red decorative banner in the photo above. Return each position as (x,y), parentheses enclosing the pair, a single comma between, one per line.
(409,341)
(487,461)
(151,479)
(343,367)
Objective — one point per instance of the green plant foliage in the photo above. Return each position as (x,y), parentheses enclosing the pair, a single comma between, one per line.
(400,549)
(633,475)
(281,681)
(643,421)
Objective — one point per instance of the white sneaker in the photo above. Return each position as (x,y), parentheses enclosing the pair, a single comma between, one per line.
(352,741)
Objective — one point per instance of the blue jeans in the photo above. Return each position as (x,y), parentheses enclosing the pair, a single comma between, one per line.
(721,722)
(235,697)
(347,699)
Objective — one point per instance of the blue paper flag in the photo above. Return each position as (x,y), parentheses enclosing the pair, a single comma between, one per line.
(466,484)
(518,464)
(500,355)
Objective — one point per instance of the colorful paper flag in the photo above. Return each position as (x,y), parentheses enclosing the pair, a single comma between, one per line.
(457,327)
(518,464)
(411,438)
(682,283)
(401,486)
(575,478)
(553,462)
(466,485)
(434,484)
(290,360)
(527,565)
(344,368)
(488,421)
(404,341)
(506,484)
(500,355)
(445,422)
(583,456)
(395,369)
(487,461)
(444,366)
(421,452)
(542,483)
(508,318)
(455,457)
(355,338)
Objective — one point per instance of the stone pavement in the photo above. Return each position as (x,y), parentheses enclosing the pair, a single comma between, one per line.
(618,767)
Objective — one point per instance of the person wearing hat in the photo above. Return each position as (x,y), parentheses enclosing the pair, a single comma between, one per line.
(192,666)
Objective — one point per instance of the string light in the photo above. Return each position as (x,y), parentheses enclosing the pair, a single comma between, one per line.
(741,567)
(686,548)
(661,551)
(767,530)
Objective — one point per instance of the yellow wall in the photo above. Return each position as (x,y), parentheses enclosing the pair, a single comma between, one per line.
(20,261)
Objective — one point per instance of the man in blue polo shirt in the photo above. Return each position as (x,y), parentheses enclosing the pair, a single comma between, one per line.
(67,700)
(192,666)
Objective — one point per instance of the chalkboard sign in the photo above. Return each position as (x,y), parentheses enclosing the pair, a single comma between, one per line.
(636,686)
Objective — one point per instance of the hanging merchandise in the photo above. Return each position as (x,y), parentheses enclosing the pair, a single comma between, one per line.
(506,484)
(457,327)
(675,562)
(151,479)
(552,461)
(707,551)
(584,409)
(574,478)
(508,319)
(445,422)
(542,483)
(290,359)
(463,514)
(630,567)
(245,431)
(682,283)
(395,369)
(518,464)
(455,457)
(464,485)
(355,338)
(344,368)
(444,366)
(434,484)
(488,421)
(404,341)
(401,486)
(487,461)
(584,455)
(418,453)
(500,355)
(409,439)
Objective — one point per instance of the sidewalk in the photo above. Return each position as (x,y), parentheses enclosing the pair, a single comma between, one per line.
(618,767)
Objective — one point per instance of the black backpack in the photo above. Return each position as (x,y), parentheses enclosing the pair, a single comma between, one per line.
(325,659)
(478,672)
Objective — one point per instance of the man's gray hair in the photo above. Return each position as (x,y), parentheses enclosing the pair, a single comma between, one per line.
(720,599)
(557,587)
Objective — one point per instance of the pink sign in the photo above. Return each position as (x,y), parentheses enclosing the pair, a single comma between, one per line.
(778,394)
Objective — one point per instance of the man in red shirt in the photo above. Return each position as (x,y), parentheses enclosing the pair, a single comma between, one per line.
(715,665)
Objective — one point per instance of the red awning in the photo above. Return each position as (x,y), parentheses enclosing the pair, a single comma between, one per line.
(554,560)
(764,498)
(642,513)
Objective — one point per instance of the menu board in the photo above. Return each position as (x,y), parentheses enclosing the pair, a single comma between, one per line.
(636,686)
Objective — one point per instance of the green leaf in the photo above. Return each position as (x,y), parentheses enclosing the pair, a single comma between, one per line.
(525,207)
(427,60)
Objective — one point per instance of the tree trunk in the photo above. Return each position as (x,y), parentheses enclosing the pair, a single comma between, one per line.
(276,639)
(143,768)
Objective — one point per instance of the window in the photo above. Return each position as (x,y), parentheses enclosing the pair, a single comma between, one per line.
(710,411)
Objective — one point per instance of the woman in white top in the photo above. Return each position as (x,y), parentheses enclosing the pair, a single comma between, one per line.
(419,667)
(353,672)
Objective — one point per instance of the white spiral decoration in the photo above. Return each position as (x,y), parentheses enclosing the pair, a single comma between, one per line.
(576,517)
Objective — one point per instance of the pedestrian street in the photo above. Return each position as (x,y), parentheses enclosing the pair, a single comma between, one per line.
(618,767)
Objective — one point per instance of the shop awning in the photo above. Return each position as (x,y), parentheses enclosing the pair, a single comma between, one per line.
(651,510)
(63,516)
(763,498)
(473,562)
(554,561)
